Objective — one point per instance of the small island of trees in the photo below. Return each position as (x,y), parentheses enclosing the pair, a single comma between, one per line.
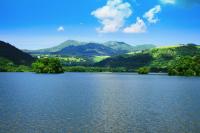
(47,65)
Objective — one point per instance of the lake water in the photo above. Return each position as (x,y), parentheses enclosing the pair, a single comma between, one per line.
(98,103)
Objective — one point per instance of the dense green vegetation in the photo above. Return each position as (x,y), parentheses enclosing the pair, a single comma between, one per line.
(128,61)
(94,69)
(8,66)
(157,59)
(143,70)
(47,65)
(185,66)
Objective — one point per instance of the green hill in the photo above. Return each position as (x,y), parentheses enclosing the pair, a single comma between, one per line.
(13,54)
(158,59)
(120,47)
(123,47)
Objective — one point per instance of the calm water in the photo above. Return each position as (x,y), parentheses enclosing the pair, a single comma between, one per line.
(98,103)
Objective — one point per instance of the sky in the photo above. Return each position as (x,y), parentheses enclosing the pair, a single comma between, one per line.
(34,24)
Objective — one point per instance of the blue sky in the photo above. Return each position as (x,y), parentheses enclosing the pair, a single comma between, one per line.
(33,24)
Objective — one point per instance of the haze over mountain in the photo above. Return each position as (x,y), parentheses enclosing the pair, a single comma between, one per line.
(77,48)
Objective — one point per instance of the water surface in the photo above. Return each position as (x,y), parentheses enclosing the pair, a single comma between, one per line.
(98,103)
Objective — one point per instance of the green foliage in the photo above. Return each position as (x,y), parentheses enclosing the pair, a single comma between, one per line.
(185,66)
(22,68)
(47,65)
(5,65)
(93,69)
(8,66)
(143,70)
(158,59)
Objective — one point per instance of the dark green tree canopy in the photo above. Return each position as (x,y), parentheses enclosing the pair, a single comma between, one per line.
(47,65)
(185,66)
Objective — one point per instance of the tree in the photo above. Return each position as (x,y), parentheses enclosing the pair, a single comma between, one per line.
(47,65)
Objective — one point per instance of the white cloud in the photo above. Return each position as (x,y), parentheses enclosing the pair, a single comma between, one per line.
(60,29)
(112,16)
(150,15)
(138,27)
(168,1)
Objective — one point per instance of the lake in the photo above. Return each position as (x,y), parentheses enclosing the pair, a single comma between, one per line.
(98,103)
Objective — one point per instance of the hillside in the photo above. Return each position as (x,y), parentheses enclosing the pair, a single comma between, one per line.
(157,58)
(90,49)
(76,48)
(18,57)
(120,47)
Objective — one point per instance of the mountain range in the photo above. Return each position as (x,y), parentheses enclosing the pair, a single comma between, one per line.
(106,55)
(89,49)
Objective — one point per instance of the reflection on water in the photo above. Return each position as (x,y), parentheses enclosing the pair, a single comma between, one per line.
(98,102)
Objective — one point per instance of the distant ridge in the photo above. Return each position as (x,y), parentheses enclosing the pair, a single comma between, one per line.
(77,48)
(15,55)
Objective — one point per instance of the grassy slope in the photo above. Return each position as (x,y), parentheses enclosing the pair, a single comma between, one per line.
(99,58)
(157,58)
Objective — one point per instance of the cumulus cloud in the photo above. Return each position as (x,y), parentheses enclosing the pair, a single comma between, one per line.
(113,15)
(60,29)
(181,2)
(168,1)
(138,27)
(150,15)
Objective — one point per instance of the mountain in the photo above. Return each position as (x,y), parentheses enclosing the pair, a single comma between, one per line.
(9,52)
(76,48)
(120,47)
(123,47)
(56,48)
(143,47)
(158,59)
(90,49)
